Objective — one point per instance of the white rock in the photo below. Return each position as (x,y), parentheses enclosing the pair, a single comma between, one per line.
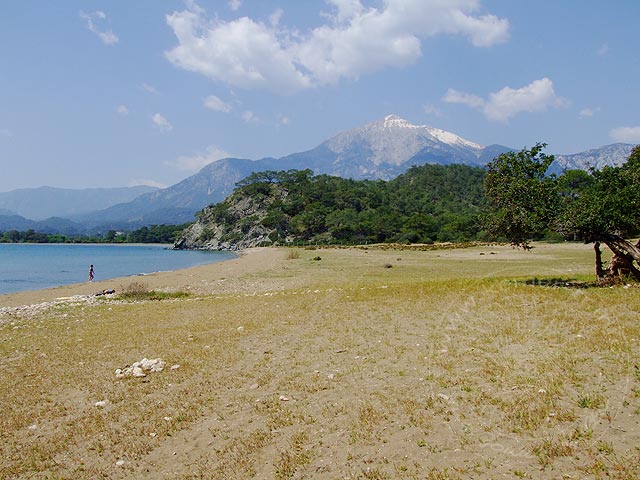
(175,367)
(283,398)
(101,403)
(119,463)
(137,372)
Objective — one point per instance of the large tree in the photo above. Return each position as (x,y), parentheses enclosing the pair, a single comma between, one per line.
(599,207)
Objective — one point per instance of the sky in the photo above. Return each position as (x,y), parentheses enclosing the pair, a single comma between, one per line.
(111,93)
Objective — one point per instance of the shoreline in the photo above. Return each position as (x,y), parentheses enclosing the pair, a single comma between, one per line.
(197,279)
(115,276)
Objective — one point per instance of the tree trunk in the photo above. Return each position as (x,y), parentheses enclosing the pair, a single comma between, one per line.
(624,254)
(599,270)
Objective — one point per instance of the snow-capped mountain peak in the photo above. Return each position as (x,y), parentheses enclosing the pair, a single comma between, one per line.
(394,141)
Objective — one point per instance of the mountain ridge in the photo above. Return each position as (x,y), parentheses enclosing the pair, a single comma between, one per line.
(382,149)
(44,202)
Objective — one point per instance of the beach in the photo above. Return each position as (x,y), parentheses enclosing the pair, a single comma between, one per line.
(373,362)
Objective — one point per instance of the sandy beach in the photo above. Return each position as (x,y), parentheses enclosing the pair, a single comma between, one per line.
(483,362)
(201,279)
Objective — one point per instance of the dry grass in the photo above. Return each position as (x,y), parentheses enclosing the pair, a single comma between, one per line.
(451,364)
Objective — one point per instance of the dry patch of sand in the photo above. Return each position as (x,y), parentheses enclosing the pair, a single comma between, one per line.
(331,364)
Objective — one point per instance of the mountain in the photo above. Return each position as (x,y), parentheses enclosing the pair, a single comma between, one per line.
(382,149)
(379,150)
(609,155)
(50,225)
(44,202)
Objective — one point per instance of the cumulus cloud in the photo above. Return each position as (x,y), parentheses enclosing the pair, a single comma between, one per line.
(538,96)
(354,40)
(122,110)
(235,4)
(214,103)
(199,160)
(161,123)
(625,134)
(94,21)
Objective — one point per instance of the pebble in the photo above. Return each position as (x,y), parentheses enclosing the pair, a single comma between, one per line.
(101,403)
(138,369)
(119,463)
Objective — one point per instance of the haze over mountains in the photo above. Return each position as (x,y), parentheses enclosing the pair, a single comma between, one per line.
(382,149)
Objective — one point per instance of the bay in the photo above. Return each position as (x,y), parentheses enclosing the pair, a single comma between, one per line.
(37,266)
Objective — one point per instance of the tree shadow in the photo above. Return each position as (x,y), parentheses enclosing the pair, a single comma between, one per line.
(558,282)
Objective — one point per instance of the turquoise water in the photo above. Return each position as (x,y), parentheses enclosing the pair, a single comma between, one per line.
(37,266)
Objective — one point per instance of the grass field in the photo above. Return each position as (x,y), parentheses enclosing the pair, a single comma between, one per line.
(482,362)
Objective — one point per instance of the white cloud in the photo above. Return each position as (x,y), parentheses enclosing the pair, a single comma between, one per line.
(214,103)
(538,96)
(588,112)
(161,123)
(199,160)
(98,17)
(5,132)
(150,183)
(235,4)
(248,116)
(149,88)
(283,120)
(122,110)
(354,40)
(625,134)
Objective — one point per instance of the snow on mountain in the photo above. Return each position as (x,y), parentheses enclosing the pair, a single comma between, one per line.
(382,149)
(394,141)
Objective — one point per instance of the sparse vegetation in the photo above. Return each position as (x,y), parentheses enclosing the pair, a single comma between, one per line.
(137,291)
(449,365)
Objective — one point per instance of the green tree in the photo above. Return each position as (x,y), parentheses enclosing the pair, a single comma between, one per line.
(523,198)
(600,207)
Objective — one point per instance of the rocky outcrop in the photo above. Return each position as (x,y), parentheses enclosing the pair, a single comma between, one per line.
(234,224)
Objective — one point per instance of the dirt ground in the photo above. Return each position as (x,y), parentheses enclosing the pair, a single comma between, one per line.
(483,363)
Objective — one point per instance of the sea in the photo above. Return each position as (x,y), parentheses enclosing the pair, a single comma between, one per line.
(26,266)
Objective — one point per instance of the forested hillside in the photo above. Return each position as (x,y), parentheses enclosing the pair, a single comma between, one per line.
(428,203)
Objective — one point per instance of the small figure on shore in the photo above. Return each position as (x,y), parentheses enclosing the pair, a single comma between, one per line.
(91,273)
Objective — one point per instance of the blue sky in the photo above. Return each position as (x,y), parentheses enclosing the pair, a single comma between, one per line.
(117,93)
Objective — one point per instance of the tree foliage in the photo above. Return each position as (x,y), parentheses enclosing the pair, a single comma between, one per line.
(150,234)
(599,207)
(426,204)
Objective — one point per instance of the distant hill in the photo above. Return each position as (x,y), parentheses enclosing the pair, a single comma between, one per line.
(379,150)
(427,203)
(382,149)
(44,202)
(50,225)
(610,155)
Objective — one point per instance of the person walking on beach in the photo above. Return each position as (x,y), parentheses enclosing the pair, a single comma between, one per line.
(91,273)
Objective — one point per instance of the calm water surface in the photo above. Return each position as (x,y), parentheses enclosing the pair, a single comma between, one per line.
(37,266)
